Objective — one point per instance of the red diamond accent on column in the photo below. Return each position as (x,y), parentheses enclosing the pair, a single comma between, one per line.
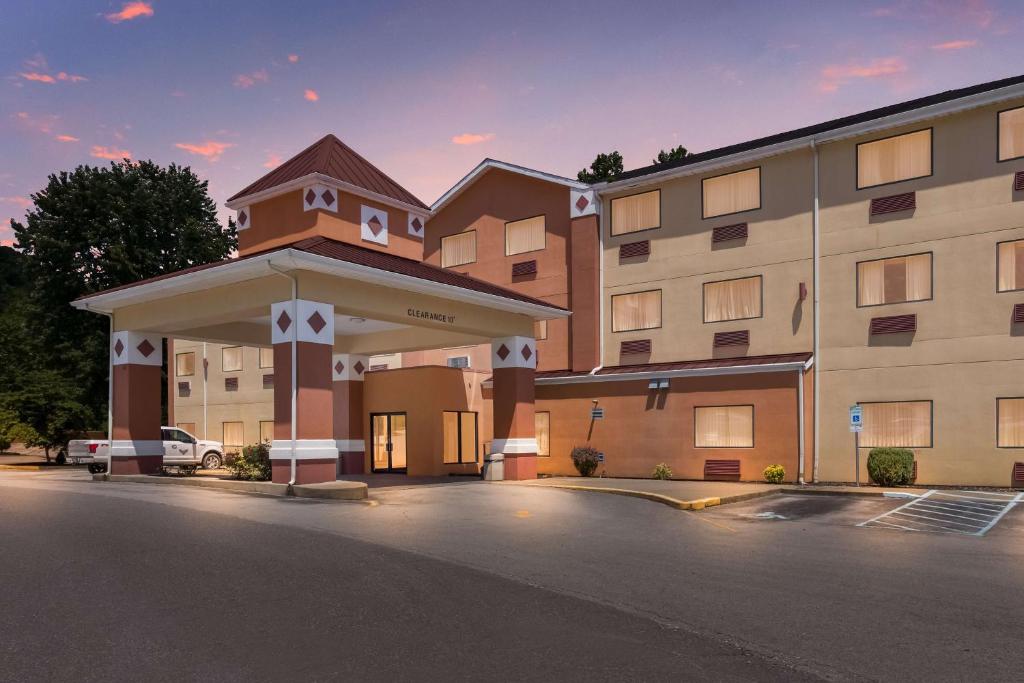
(339,367)
(284,321)
(375,226)
(526,352)
(118,348)
(310,196)
(503,352)
(328,197)
(242,217)
(582,203)
(417,225)
(359,367)
(145,348)
(317,322)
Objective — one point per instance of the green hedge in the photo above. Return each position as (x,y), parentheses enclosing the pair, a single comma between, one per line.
(891,466)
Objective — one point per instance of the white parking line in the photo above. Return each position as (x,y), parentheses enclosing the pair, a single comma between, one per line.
(960,512)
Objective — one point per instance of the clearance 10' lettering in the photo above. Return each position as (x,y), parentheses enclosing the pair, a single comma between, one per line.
(428,315)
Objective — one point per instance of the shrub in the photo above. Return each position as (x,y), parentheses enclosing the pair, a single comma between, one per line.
(662,471)
(774,474)
(252,464)
(585,459)
(5,443)
(891,466)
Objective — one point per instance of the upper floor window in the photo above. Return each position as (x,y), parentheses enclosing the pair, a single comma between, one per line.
(894,280)
(525,235)
(636,212)
(458,250)
(636,311)
(732,192)
(266,357)
(231,358)
(1011,134)
(732,299)
(898,424)
(1011,266)
(890,160)
(540,329)
(185,364)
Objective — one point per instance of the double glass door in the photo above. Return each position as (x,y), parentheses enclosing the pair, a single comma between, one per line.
(387,434)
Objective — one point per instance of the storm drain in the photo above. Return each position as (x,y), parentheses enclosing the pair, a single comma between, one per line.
(951,512)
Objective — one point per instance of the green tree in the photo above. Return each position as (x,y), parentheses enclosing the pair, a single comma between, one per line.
(674,154)
(604,167)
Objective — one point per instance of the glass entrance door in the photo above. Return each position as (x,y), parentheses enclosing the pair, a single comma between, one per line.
(388,439)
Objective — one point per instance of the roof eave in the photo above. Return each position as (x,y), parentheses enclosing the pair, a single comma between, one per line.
(321,178)
(487,164)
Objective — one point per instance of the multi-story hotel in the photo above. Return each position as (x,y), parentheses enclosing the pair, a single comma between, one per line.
(727,309)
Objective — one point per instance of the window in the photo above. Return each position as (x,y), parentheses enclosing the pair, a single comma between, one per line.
(185,364)
(525,235)
(723,427)
(540,329)
(732,299)
(230,384)
(904,424)
(542,428)
(268,381)
(266,357)
(901,157)
(894,280)
(460,442)
(1011,266)
(636,212)
(458,362)
(266,431)
(1010,422)
(1011,134)
(637,311)
(457,250)
(184,389)
(231,358)
(233,436)
(189,427)
(732,193)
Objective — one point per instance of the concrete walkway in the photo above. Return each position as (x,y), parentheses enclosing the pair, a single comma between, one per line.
(682,495)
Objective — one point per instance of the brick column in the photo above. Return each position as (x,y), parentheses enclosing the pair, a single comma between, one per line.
(348,371)
(310,327)
(514,360)
(135,445)
(585,280)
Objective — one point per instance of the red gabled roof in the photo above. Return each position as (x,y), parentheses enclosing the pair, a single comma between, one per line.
(332,157)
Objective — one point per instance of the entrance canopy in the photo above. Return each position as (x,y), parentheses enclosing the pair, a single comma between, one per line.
(382,303)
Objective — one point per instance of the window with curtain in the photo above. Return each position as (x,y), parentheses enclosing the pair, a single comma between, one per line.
(1010,421)
(266,357)
(723,427)
(894,280)
(1011,266)
(1011,134)
(457,250)
(901,157)
(636,311)
(231,358)
(732,299)
(185,364)
(189,427)
(636,212)
(540,329)
(902,424)
(732,192)
(460,437)
(233,438)
(266,431)
(525,235)
(542,428)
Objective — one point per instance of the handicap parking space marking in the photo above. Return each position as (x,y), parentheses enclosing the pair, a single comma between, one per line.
(970,513)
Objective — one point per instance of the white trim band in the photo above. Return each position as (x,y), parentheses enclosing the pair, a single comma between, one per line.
(350,445)
(515,446)
(122,448)
(305,449)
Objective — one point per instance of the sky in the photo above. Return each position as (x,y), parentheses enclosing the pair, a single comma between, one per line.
(427,90)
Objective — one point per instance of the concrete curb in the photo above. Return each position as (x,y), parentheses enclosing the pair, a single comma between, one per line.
(332,490)
(339,490)
(864,492)
(698,504)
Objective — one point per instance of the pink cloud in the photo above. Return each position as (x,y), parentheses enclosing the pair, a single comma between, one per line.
(273,161)
(472,138)
(40,124)
(6,236)
(249,80)
(311,95)
(834,75)
(955,45)
(66,138)
(209,149)
(293,58)
(131,10)
(101,152)
(20,202)
(47,78)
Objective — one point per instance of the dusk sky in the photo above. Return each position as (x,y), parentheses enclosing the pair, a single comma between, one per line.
(427,90)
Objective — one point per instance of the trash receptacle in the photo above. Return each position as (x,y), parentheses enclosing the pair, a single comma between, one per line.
(494,467)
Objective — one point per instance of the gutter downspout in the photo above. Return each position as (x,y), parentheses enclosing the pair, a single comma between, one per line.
(295,317)
(600,292)
(815,347)
(206,378)
(110,386)
(800,424)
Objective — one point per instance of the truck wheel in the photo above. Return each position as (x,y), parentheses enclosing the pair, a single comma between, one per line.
(96,469)
(211,461)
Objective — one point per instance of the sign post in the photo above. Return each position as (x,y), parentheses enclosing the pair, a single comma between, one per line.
(856,426)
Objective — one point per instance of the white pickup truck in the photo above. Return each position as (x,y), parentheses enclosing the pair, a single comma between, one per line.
(181,451)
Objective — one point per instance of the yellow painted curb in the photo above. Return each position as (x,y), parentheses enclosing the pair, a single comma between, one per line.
(646,495)
(21,468)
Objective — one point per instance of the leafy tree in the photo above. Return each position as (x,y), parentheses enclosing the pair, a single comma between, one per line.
(674,154)
(604,167)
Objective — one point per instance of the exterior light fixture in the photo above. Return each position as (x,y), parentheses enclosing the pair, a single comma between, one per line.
(358,321)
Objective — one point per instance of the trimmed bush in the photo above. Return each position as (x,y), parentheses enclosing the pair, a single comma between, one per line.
(5,443)
(252,464)
(891,466)
(585,459)
(774,474)
(662,471)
